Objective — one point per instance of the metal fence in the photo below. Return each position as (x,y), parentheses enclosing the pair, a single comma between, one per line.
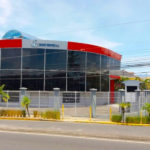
(76,104)
(45,99)
(137,100)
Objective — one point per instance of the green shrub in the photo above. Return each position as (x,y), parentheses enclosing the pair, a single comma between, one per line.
(0,112)
(56,115)
(50,115)
(145,120)
(19,113)
(3,113)
(23,113)
(116,118)
(12,113)
(133,119)
(35,113)
(137,119)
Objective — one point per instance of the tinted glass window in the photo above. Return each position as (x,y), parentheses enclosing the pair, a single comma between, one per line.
(76,81)
(33,59)
(76,61)
(55,60)
(92,81)
(33,80)
(55,80)
(11,58)
(104,63)
(117,65)
(104,82)
(93,62)
(11,79)
(111,62)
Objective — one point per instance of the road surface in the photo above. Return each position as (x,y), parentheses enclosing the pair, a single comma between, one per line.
(78,129)
(33,141)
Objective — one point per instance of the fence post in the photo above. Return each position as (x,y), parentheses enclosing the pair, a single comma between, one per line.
(49,102)
(62,111)
(108,98)
(75,104)
(110,113)
(22,94)
(141,116)
(90,112)
(56,99)
(122,95)
(39,99)
(146,98)
(93,102)
(138,100)
(7,100)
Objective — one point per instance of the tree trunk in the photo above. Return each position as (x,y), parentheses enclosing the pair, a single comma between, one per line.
(123,118)
(27,110)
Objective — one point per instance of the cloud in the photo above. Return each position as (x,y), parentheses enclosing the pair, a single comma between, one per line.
(59,18)
(5,11)
(91,37)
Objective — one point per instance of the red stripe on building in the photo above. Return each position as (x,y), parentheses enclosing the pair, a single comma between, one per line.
(93,49)
(114,77)
(112,89)
(13,43)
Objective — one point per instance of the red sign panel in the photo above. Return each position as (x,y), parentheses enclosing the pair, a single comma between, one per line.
(13,43)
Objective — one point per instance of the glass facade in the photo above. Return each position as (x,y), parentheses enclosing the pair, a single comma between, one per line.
(45,69)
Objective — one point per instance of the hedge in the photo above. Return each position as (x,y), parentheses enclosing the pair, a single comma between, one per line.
(12,113)
(116,118)
(137,119)
(50,114)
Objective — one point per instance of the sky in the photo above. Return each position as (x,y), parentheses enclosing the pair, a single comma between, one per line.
(120,25)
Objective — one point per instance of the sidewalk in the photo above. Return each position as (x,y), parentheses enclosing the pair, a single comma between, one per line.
(78,129)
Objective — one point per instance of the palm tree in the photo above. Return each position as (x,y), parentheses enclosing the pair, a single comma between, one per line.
(25,103)
(123,107)
(4,95)
(146,84)
(147,108)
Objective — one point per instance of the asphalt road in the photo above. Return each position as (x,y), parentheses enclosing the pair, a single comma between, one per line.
(30,141)
(78,129)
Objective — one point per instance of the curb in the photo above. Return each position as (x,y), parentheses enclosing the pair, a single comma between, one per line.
(29,119)
(112,123)
(76,121)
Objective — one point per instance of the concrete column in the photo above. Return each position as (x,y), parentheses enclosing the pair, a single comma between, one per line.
(22,93)
(138,101)
(56,99)
(93,102)
(146,99)
(122,95)
(146,94)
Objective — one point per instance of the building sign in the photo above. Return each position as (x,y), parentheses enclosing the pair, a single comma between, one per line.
(71,97)
(48,44)
(36,44)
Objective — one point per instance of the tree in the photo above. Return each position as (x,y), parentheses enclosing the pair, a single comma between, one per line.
(4,95)
(124,106)
(25,103)
(147,108)
(138,79)
(145,85)
(119,84)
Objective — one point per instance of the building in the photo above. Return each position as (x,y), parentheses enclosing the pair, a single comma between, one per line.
(26,61)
